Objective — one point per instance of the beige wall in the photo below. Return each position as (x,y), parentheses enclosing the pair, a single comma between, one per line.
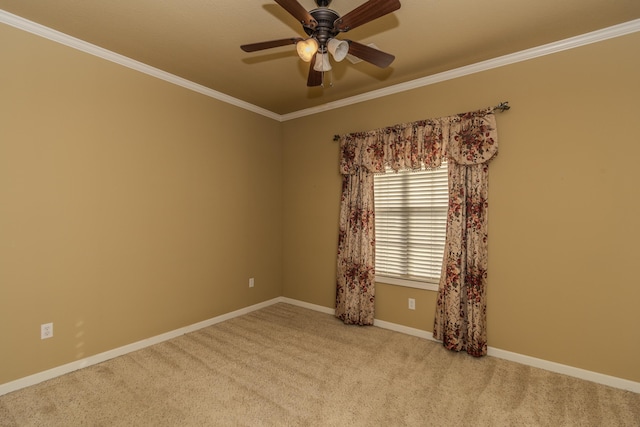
(129,206)
(123,217)
(564,205)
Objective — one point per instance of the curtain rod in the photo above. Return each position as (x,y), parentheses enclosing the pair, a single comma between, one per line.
(501,107)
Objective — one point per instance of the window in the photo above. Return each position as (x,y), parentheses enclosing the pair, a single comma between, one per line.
(411,219)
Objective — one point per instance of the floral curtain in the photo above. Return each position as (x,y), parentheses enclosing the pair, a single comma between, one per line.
(467,142)
(355,290)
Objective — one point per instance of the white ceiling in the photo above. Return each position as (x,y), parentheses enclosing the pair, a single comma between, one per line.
(199,40)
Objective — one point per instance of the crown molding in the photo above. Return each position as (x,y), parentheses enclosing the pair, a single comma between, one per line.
(67,40)
(524,55)
(547,49)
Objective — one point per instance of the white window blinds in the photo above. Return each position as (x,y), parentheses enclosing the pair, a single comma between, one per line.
(411,217)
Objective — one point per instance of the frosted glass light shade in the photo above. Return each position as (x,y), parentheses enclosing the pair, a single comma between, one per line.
(322,62)
(307,48)
(338,48)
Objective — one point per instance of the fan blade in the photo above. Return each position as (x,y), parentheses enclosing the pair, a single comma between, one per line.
(373,9)
(315,77)
(369,54)
(298,12)
(268,45)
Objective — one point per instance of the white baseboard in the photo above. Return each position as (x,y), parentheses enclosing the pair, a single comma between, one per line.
(121,351)
(493,352)
(571,371)
(404,329)
(315,307)
(501,354)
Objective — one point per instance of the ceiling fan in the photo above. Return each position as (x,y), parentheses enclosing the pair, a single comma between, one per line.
(322,25)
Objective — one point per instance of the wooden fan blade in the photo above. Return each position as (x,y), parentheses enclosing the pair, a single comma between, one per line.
(268,45)
(298,12)
(315,77)
(369,54)
(373,9)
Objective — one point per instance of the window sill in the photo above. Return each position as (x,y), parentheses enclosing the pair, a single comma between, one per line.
(430,286)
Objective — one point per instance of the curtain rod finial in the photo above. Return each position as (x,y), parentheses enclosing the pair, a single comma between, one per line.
(503,106)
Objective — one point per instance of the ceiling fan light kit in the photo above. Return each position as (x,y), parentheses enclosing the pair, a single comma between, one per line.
(322,62)
(338,48)
(322,25)
(307,48)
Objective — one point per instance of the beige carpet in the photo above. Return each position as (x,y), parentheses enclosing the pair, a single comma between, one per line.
(288,366)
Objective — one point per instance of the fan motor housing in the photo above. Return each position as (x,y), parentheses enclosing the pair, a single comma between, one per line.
(325,18)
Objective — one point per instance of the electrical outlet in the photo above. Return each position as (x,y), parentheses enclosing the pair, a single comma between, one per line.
(412,304)
(46,330)
(251,282)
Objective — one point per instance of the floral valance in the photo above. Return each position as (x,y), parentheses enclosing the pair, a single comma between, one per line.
(466,139)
